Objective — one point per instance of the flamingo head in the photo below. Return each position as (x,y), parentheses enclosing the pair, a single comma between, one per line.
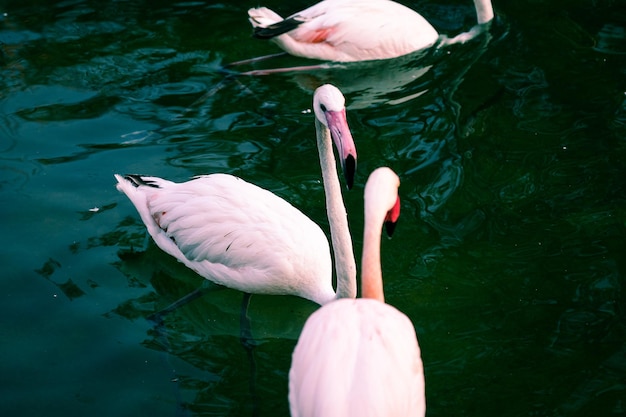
(382,199)
(330,110)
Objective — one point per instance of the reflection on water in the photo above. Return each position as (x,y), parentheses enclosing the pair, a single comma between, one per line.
(508,259)
(206,334)
(611,39)
(370,84)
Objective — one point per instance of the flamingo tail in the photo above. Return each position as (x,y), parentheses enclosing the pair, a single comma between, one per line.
(268,24)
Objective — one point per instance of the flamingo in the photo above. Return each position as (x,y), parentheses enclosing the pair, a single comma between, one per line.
(361,357)
(241,236)
(353,30)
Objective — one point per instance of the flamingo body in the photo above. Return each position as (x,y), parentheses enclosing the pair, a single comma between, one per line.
(351,30)
(357,358)
(360,357)
(244,237)
(240,235)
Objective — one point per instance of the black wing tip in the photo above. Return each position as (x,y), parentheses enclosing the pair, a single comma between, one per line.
(139,181)
(262,33)
(276,29)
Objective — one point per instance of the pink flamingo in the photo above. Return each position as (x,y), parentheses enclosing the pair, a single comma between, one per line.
(361,357)
(353,30)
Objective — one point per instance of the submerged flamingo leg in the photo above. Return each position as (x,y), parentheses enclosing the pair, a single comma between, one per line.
(253,60)
(163,340)
(248,343)
(283,70)
(157,317)
(245,332)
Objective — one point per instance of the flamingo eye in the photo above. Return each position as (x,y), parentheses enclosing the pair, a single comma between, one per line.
(323,107)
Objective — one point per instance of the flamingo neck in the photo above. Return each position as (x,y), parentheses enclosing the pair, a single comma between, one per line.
(371,273)
(484,11)
(345,265)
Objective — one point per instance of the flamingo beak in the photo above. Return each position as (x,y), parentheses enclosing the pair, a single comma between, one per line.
(392,218)
(340,132)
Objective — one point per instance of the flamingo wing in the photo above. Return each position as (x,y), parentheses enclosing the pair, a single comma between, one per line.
(233,232)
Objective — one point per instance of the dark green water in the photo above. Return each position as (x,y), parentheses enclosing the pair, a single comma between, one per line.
(509,256)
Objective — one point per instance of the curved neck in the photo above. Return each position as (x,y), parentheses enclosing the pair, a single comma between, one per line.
(345,264)
(371,274)
(484,11)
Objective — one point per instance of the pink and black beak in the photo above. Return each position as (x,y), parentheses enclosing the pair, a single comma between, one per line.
(340,132)
(392,218)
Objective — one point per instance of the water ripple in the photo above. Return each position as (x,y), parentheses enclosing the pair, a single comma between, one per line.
(611,39)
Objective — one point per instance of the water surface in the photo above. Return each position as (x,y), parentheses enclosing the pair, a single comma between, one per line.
(509,256)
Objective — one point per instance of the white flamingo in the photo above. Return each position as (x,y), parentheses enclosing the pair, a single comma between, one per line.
(361,357)
(244,237)
(353,30)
